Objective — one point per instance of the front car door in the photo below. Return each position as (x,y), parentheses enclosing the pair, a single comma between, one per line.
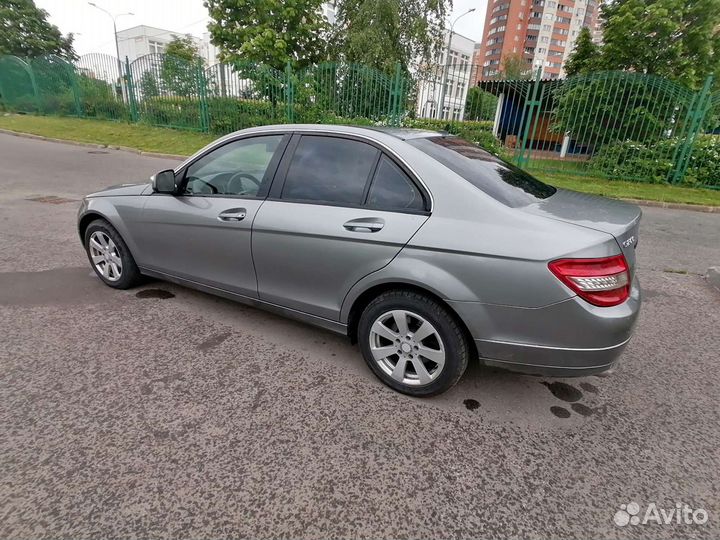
(203,233)
(339,209)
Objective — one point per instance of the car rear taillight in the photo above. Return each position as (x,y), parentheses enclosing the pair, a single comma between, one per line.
(602,282)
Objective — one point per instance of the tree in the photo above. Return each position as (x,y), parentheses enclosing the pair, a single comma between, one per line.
(179,70)
(272,32)
(25,31)
(381,33)
(515,67)
(677,39)
(148,85)
(480,105)
(585,56)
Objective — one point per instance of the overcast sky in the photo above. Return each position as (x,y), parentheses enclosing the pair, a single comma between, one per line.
(93,28)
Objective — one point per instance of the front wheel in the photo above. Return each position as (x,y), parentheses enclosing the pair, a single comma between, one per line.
(110,256)
(413,343)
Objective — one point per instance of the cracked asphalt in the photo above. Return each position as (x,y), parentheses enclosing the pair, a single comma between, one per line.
(161,412)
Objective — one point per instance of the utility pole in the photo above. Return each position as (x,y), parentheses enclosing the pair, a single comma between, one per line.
(441,105)
(117,48)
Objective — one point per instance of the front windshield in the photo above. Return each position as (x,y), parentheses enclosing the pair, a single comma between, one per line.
(501,180)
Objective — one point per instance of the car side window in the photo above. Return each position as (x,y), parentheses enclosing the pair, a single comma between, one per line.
(329,169)
(237,168)
(392,189)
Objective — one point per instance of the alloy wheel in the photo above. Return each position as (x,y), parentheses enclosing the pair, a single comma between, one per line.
(407,347)
(105,256)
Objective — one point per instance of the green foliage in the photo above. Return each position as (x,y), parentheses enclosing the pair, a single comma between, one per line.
(653,162)
(25,32)
(607,107)
(382,33)
(678,39)
(273,32)
(148,85)
(585,56)
(480,105)
(98,100)
(179,69)
(477,132)
(341,90)
(515,68)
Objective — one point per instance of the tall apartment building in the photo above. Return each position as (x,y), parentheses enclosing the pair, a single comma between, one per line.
(543,32)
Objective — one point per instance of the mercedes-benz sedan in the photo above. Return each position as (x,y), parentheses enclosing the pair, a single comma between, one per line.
(422,247)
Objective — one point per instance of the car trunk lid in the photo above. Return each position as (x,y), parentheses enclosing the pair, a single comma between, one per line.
(617,218)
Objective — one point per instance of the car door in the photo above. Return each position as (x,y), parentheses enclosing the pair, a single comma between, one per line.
(340,208)
(203,233)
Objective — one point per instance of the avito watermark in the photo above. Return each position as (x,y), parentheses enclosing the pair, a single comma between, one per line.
(680,514)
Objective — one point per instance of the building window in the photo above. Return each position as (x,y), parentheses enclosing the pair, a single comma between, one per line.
(155,47)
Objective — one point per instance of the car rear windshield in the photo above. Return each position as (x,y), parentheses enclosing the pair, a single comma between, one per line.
(499,179)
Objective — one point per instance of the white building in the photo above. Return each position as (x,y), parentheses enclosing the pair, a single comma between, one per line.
(141,40)
(449,86)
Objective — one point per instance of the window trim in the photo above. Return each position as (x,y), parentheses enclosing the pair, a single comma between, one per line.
(282,170)
(270,172)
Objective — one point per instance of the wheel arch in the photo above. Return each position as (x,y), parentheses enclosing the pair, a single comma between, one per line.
(372,292)
(86,220)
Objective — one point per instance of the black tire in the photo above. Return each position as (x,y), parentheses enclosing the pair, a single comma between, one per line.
(129,274)
(449,329)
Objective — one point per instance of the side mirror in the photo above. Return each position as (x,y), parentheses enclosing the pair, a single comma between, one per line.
(164,182)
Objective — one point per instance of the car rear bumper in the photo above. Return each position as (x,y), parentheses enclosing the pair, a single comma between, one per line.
(552,361)
(569,338)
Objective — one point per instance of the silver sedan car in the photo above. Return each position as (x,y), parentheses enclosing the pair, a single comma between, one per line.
(421,247)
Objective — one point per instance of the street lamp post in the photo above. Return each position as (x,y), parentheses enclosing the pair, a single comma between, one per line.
(441,105)
(117,48)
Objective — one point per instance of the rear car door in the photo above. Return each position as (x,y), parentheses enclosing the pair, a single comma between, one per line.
(339,209)
(203,232)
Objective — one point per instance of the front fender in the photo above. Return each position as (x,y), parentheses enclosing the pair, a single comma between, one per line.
(118,211)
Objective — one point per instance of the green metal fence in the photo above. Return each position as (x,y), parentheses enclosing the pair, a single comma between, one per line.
(615,125)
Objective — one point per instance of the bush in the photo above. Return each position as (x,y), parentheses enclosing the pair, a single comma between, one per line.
(654,163)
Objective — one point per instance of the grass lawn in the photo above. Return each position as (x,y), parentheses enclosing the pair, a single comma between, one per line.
(139,136)
(170,141)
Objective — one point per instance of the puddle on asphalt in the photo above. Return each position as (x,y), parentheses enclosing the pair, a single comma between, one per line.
(564,391)
(560,412)
(582,410)
(471,404)
(213,341)
(162,294)
(59,286)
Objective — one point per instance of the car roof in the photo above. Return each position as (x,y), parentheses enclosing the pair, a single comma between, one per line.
(403,134)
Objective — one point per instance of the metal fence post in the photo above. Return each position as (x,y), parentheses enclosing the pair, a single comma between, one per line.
(289,94)
(521,158)
(695,119)
(131,91)
(395,91)
(202,96)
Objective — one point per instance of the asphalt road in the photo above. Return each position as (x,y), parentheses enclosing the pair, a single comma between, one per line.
(174,414)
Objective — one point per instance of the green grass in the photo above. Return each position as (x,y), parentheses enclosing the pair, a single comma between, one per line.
(620,189)
(139,136)
(171,141)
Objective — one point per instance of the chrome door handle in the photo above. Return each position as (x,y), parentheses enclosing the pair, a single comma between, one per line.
(233,214)
(364,225)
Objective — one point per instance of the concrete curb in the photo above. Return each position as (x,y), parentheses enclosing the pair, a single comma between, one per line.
(713,276)
(639,202)
(675,206)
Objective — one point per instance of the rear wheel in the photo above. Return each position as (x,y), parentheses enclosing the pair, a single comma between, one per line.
(413,343)
(109,256)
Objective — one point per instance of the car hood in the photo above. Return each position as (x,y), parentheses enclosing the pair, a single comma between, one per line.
(620,219)
(121,189)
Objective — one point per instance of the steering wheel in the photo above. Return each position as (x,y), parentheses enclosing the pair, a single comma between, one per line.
(213,189)
(237,177)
